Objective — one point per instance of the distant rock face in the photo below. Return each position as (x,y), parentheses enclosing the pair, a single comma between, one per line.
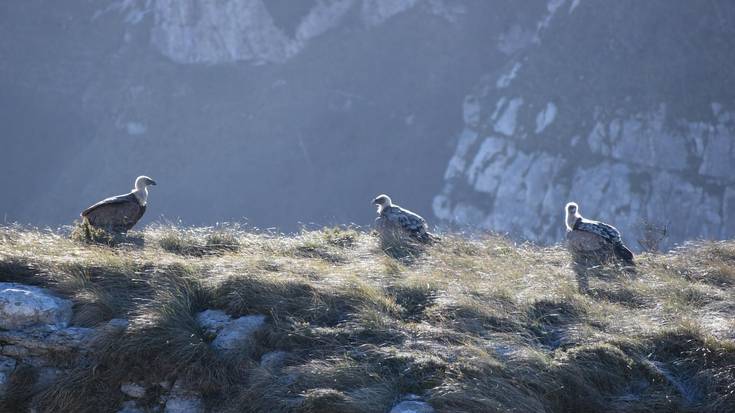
(590,118)
(247,30)
(23,306)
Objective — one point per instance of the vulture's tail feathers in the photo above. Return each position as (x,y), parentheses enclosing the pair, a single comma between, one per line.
(428,238)
(622,252)
(433,237)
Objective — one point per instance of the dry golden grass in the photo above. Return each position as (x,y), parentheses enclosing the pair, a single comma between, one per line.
(471,325)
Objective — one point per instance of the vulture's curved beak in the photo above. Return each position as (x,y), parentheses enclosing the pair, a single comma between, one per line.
(152,182)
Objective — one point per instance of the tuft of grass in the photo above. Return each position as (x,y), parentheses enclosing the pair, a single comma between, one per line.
(326,245)
(340,236)
(181,243)
(165,338)
(415,297)
(222,241)
(84,232)
(197,243)
(101,293)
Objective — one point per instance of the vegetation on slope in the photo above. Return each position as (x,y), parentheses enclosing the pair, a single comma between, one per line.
(471,325)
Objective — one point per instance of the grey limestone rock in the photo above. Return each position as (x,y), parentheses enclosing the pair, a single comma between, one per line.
(229,334)
(24,306)
(412,404)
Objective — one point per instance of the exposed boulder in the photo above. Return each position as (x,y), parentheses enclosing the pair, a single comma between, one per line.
(114,325)
(130,406)
(228,333)
(24,306)
(273,359)
(183,400)
(238,332)
(44,341)
(412,404)
(188,404)
(133,390)
(213,321)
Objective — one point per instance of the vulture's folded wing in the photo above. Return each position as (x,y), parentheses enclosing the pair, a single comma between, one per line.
(608,232)
(408,220)
(118,213)
(113,200)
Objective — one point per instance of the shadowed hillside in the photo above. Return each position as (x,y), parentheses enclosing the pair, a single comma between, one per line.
(221,320)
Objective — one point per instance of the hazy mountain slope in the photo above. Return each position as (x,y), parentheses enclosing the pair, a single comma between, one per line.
(283,114)
(298,118)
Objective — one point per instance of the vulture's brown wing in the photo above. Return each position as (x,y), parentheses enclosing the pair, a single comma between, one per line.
(117,214)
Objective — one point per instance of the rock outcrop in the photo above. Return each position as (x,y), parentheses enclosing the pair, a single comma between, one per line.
(596,113)
(36,337)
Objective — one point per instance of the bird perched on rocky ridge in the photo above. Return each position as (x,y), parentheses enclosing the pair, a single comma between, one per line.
(585,235)
(120,213)
(399,221)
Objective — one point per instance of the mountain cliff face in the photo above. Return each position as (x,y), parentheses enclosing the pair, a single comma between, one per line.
(287,113)
(624,108)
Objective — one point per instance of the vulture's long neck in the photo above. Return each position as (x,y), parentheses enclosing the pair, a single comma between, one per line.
(141,194)
(571,219)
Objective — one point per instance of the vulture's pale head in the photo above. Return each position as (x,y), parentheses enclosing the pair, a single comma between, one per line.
(572,213)
(143,181)
(382,201)
(141,188)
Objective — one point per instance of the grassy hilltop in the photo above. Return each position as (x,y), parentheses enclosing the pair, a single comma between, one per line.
(470,325)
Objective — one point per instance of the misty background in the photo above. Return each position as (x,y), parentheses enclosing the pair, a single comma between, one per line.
(477,114)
